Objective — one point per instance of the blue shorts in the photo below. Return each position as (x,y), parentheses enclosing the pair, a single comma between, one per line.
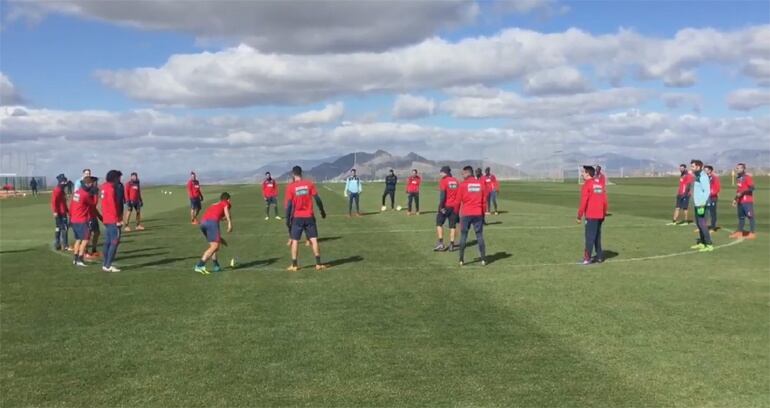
(93,225)
(306,225)
(134,205)
(682,202)
(195,203)
(271,200)
(746,210)
(450,217)
(210,230)
(82,231)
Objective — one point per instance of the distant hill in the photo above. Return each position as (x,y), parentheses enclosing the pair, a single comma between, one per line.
(375,166)
(756,160)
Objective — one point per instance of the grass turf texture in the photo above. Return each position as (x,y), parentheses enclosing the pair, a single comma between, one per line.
(391,323)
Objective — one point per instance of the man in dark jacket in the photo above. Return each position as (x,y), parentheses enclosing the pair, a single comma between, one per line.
(390,190)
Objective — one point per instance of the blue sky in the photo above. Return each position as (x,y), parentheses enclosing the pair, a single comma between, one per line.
(52,56)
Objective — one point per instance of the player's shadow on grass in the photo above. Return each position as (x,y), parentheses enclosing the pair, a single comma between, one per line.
(364,214)
(133,251)
(259,262)
(16,251)
(324,239)
(494,223)
(427,212)
(159,262)
(141,255)
(497,256)
(343,261)
(610,254)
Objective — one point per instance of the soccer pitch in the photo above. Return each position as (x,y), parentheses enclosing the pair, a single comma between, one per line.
(392,323)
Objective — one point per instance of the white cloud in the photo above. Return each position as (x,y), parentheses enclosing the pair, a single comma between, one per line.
(9,95)
(674,100)
(286,26)
(411,107)
(330,113)
(559,80)
(244,76)
(511,105)
(163,143)
(748,99)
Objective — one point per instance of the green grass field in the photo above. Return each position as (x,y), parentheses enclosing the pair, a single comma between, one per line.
(392,323)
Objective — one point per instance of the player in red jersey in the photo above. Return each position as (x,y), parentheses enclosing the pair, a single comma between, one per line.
(593,207)
(492,187)
(300,217)
(196,197)
(744,202)
(270,194)
(413,192)
(447,209)
(133,197)
(472,205)
(716,188)
(81,210)
(600,177)
(210,229)
(682,196)
(110,197)
(60,211)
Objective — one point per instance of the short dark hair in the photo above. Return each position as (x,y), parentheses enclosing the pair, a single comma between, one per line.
(353,170)
(683,165)
(414,170)
(742,164)
(697,162)
(468,168)
(296,170)
(113,176)
(133,173)
(590,170)
(267,173)
(89,180)
(708,166)
(86,170)
(224,196)
(487,169)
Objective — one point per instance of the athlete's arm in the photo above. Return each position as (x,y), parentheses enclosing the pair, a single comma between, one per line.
(320,205)
(289,211)
(442,201)
(229,221)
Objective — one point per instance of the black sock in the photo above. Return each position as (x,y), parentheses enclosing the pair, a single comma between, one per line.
(318,260)
(216,263)
(293,262)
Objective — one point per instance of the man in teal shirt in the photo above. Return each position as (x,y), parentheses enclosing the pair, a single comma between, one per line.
(353,190)
(702,191)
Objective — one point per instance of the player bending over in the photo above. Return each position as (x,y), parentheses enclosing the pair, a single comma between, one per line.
(472,204)
(300,218)
(593,207)
(81,209)
(447,211)
(744,202)
(134,200)
(210,230)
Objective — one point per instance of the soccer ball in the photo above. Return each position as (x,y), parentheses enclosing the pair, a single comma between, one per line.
(171,192)
(233,263)
(398,208)
(383,208)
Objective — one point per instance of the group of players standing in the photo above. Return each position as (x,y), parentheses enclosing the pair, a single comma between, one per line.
(92,203)
(466,202)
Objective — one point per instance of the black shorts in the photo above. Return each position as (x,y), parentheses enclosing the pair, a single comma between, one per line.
(450,217)
(134,205)
(195,203)
(306,225)
(476,221)
(682,202)
(93,225)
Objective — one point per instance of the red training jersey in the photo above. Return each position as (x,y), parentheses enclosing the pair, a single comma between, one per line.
(593,200)
(602,179)
(194,189)
(490,182)
(472,197)
(449,186)
(133,191)
(59,200)
(270,188)
(716,185)
(300,194)
(108,196)
(82,206)
(744,185)
(684,184)
(413,184)
(216,212)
